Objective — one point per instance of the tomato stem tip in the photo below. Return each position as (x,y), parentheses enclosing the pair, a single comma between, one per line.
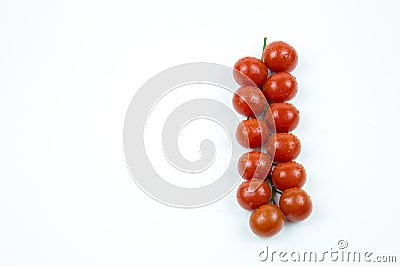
(265,44)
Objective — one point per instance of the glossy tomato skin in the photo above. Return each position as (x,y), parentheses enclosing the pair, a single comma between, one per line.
(282,116)
(267,220)
(252,200)
(280,56)
(285,145)
(296,204)
(289,175)
(254,164)
(252,133)
(252,68)
(249,101)
(280,87)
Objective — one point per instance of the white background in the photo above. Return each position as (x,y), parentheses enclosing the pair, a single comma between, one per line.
(69,69)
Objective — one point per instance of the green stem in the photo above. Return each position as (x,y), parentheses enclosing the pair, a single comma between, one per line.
(265,44)
(273,194)
(277,191)
(274,191)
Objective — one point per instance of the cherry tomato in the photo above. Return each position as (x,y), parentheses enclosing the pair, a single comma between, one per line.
(280,87)
(296,204)
(267,220)
(289,175)
(285,145)
(280,56)
(250,68)
(283,116)
(254,164)
(249,101)
(252,133)
(252,200)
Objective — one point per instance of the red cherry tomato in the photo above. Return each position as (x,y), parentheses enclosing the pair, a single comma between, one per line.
(285,145)
(250,68)
(289,175)
(254,164)
(280,87)
(283,116)
(267,220)
(296,204)
(252,133)
(280,56)
(252,200)
(249,101)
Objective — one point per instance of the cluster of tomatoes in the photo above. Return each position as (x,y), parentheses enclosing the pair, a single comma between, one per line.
(266,86)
